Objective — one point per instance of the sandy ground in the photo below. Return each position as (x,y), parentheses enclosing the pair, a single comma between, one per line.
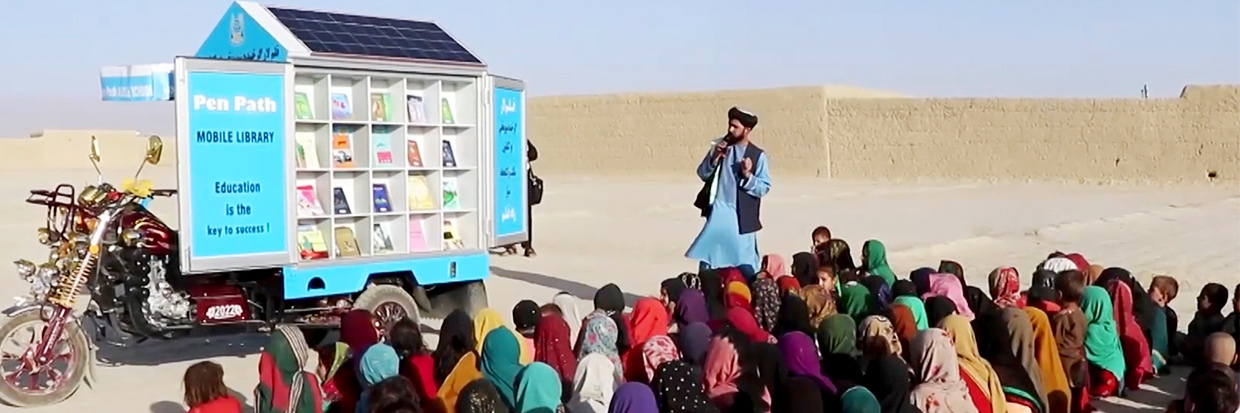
(634,232)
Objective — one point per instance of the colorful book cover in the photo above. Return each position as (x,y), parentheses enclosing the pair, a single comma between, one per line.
(449,155)
(382,238)
(419,193)
(308,202)
(445,112)
(451,198)
(342,149)
(346,243)
(417,238)
(451,237)
(382,143)
(301,104)
(342,108)
(415,154)
(310,243)
(340,202)
(382,202)
(380,107)
(416,108)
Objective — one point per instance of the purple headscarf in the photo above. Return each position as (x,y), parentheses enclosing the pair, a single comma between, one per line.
(802,359)
(690,308)
(633,397)
(921,279)
(693,341)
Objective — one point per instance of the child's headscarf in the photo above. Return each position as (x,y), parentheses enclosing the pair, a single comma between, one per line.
(766,303)
(599,335)
(934,363)
(283,384)
(821,302)
(949,286)
(501,361)
(773,265)
(572,316)
(876,261)
(1005,287)
(594,384)
(1102,346)
(538,389)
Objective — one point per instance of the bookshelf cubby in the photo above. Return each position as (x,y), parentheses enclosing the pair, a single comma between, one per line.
(378,142)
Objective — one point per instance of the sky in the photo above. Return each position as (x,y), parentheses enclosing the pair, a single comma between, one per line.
(53,49)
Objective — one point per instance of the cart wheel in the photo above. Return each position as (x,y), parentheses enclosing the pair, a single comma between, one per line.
(389,303)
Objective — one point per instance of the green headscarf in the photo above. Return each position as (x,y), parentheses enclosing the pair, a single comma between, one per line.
(876,261)
(837,334)
(500,362)
(1102,347)
(856,300)
(538,389)
(1159,342)
(859,399)
(918,309)
(283,386)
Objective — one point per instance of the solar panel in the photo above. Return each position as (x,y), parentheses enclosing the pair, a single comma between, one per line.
(324,32)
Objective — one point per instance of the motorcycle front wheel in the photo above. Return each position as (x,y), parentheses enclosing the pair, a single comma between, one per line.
(27,384)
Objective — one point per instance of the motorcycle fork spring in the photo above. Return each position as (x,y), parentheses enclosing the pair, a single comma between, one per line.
(65,293)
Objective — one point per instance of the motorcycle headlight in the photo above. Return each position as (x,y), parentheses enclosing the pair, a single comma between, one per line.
(25,268)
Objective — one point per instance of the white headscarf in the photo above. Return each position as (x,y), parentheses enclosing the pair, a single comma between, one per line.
(568,305)
(594,385)
(1060,264)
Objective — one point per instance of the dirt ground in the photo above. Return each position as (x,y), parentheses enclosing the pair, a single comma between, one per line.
(633,232)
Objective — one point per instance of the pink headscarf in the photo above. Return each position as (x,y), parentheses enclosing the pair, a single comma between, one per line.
(656,351)
(948,286)
(720,370)
(774,266)
(1005,287)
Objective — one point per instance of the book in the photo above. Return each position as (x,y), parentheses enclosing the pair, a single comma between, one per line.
(342,108)
(380,107)
(416,108)
(382,202)
(415,154)
(382,238)
(307,151)
(417,238)
(382,143)
(301,104)
(310,243)
(445,112)
(449,155)
(340,202)
(342,149)
(451,237)
(451,200)
(346,243)
(419,193)
(308,202)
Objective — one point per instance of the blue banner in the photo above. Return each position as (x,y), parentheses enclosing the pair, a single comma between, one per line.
(510,180)
(237,164)
(136,83)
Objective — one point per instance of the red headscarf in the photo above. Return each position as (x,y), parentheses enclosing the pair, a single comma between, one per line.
(648,320)
(358,330)
(552,346)
(1131,338)
(1005,287)
(746,324)
(1079,260)
(727,275)
(787,283)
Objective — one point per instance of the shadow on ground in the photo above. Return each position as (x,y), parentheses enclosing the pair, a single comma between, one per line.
(579,290)
(157,352)
(167,406)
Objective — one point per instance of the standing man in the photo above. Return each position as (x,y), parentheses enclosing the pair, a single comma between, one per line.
(736,175)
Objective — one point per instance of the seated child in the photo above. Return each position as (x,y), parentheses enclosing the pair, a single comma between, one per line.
(1209,389)
(1208,320)
(205,391)
(1164,340)
(1231,324)
(820,236)
(1069,325)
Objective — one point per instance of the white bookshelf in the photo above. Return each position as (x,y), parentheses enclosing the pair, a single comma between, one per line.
(373,144)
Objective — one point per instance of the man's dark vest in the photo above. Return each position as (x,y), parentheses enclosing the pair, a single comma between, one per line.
(748,207)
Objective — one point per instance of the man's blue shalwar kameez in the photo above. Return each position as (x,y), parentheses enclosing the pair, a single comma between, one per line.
(721,243)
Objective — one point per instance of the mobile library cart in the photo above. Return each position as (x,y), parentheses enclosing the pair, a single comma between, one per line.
(325,162)
(353,155)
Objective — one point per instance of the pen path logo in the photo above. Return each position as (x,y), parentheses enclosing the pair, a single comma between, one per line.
(236,33)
